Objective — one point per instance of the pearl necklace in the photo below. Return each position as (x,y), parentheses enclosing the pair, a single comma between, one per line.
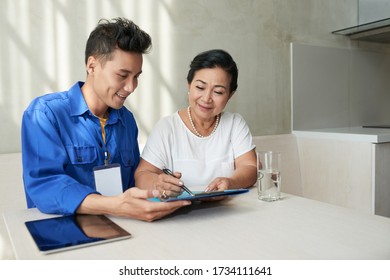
(197,132)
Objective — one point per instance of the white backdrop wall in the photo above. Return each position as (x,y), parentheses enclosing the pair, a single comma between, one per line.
(42,50)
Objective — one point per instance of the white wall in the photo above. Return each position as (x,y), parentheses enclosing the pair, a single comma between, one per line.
(42,45)
(339,87)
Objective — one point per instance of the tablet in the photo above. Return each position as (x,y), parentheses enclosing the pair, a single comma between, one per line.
(199,195)
(74,231)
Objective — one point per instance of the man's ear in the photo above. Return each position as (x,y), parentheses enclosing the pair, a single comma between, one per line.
(91,64)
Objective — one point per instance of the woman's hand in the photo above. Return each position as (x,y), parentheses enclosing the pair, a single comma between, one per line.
(169,185)
(220,184)
(148,176)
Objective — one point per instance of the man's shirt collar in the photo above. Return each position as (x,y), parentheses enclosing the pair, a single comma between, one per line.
(78,105)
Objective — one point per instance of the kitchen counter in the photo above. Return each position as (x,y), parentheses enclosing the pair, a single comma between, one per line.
(358,134)
(347,166)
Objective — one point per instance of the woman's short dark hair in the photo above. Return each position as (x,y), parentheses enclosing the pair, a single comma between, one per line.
(118,33)
(212,59)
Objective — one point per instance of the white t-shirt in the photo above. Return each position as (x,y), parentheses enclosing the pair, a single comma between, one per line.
(200,160)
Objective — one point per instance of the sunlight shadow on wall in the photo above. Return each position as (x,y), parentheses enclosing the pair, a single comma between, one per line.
(42,51)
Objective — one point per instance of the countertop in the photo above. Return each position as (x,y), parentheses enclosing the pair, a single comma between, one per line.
(357,133)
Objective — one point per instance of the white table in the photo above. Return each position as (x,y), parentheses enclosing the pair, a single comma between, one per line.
(239,228)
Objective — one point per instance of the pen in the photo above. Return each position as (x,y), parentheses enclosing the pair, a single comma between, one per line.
(169,172)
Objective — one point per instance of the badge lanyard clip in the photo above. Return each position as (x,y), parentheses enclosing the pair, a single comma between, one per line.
(106,157)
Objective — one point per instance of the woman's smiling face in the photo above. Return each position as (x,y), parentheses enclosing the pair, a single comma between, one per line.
(209,92)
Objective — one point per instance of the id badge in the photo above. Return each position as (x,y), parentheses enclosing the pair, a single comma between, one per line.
(108,179)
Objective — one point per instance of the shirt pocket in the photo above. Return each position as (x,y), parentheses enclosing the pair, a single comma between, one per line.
(82,155)
(127,158)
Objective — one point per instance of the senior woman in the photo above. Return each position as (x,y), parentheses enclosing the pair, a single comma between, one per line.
(207,148)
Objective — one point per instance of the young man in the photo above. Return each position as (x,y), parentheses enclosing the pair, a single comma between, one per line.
(65,135)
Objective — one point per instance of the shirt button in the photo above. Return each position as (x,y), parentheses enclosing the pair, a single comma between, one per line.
(79,159)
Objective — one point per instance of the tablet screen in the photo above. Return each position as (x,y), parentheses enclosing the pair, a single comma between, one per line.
(73,231)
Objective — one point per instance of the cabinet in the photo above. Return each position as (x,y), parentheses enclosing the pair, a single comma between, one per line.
(373,22)
(381,182)
(378,31)
(345,170)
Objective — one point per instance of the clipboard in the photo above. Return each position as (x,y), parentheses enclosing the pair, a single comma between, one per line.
(200,195)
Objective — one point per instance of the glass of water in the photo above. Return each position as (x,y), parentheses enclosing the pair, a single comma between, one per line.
(268,175)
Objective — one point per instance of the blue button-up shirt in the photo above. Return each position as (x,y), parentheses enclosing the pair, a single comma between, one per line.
(62,143)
